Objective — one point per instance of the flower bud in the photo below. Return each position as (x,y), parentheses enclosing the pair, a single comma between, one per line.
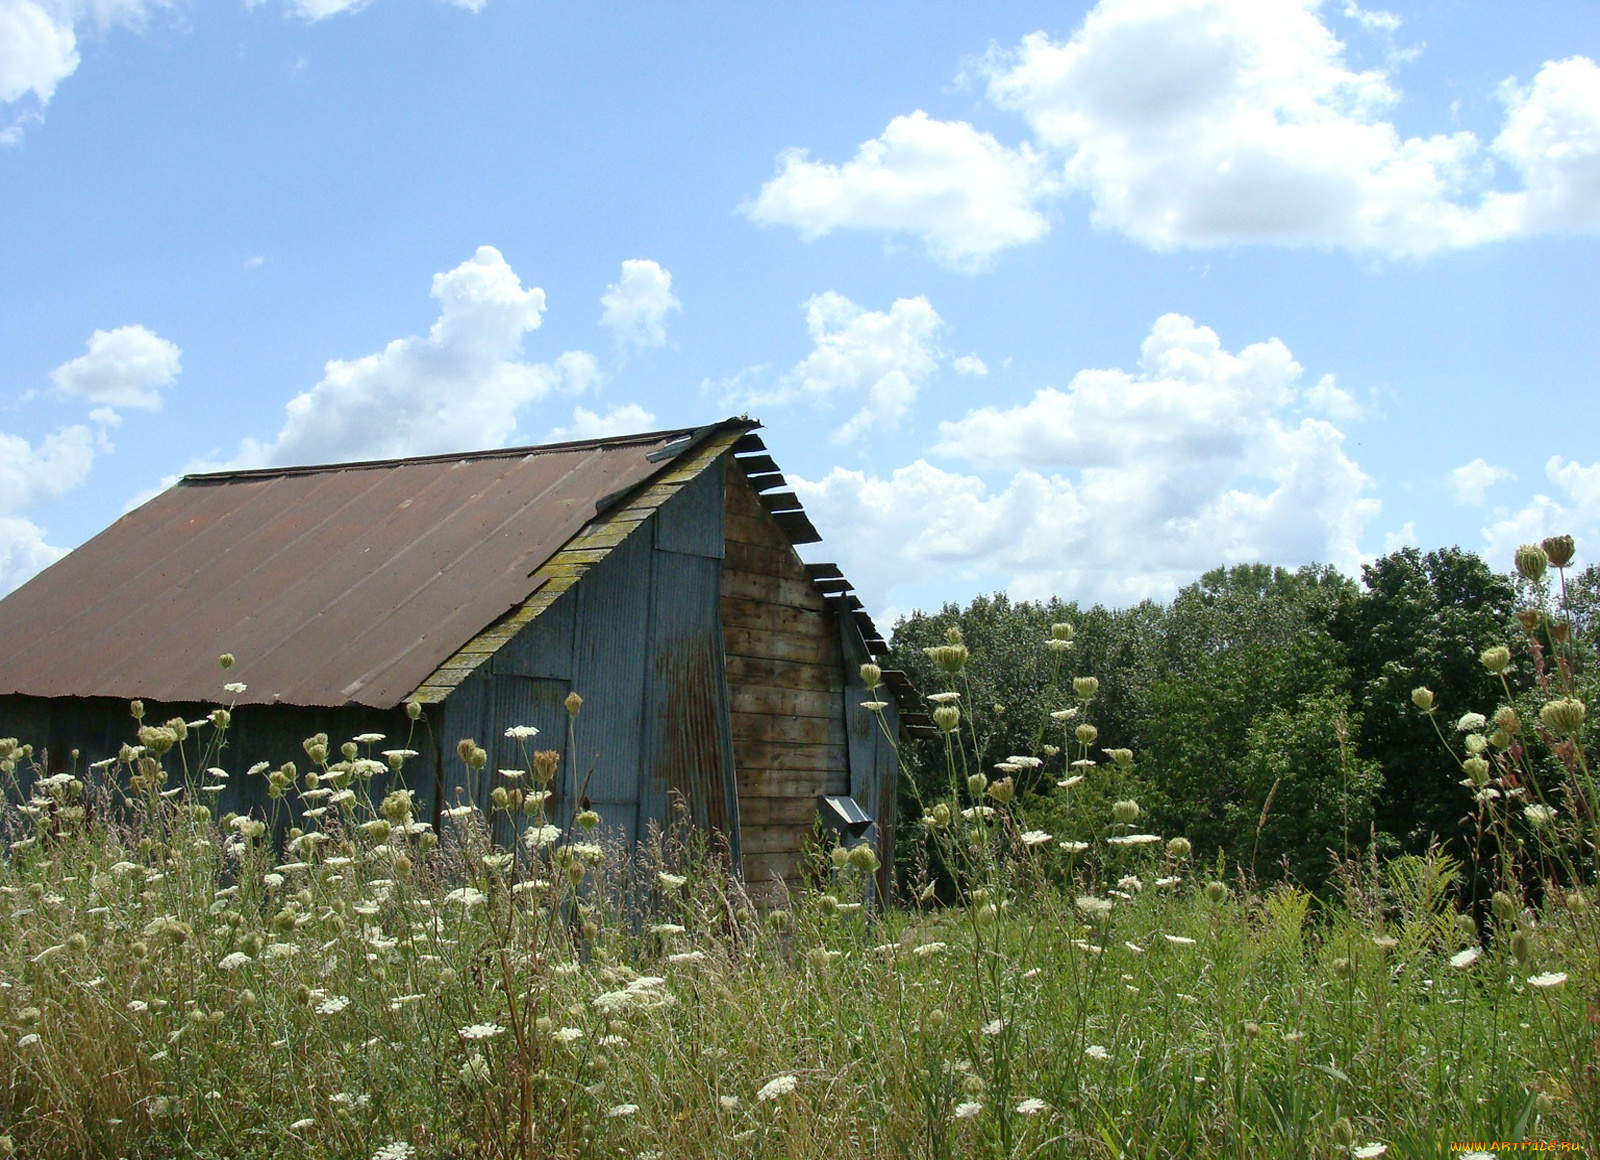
(136,708)
(1216,891)
(573,704)
(946,717)
(1559,550)
(1503,906)
(778,919)
(1496,659)
(1576,902)
(1543,1101)
(1085,687)
(588,819)
(1125,812)
(1343,1132)
(1061,631)
(1521,946)
(1003,790)
(871,675)
(413,710)
(1507,721)
(1344,969)
(1422,698)
(976,784)
(545,764)
(1123,757)
(839,855)
(864,858)
(499,798)
(1086,733)
(1179,848)
(1531,562)
(1477,770)
(1564,716)
(941,814)
(952,658)
(1466,928)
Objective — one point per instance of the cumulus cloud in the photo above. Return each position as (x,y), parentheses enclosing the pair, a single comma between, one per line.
(39,48)
(624,419)
(637,305)
(32,475)
(125,367)
(1197,123)
(962,192)
(875,360)
(969,364)
(461,386)
(1573,507)
(1122,485)
(1470,481)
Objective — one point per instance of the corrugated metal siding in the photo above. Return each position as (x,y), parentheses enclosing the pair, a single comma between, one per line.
(346,583)
(609,671)
(689,742)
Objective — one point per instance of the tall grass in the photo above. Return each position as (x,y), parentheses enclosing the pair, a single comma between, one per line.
(173,984)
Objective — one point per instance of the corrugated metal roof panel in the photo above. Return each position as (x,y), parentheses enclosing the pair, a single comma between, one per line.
(335,584)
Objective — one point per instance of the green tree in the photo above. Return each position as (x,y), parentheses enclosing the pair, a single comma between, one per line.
(1422,619)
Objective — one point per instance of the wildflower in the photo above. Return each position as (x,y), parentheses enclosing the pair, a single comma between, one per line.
(994,1027)
(302,1125)
(467,896)
(1031,1106)
(1093,907)
(671,881)
(1074,847)
(1369,1151)
(1531,562)
(1471,723)
(967,1109)
(1068,783)
(617,1110)
(399,1150)
(1179,849)
(666,928)
(1086,733)
(233,961)
(1125,812)
(332,1005)
(1135,948)
(943,698)
(1564,716)
(952,658)
(1036,838)
(536,836)
(482,1031)
(975,813)
(1179,940)
(521,732)
(1095,1051)
(1131,882)
(874,706)
(1554,979)
(1539,815)
(728,1102)
(234,687)
(947,717)
(567,1035)
(780,1086)
(1085,687)
(1123,757)
(350,1099)
(928,948)
(1461,960)
(1135,840)
(1422,698)
(1064,715)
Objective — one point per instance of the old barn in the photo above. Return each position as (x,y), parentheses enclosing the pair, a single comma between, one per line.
(655,575)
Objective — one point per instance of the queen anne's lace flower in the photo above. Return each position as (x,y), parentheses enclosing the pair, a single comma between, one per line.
(780,1086)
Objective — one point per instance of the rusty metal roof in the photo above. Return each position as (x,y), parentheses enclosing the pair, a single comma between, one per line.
(346,583)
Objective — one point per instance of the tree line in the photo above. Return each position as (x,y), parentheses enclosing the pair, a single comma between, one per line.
(1269,711)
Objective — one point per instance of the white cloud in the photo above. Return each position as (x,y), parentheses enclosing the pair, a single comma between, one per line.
(1574,510)
(965,194)
(31,476)
(1552,136)
(1470,481)
(39,48)
(1123,485)
(625,419)
(1404,537)
(125,367)
(1197,123)
(460,387)
(878,361)
(1330,399)
(637,305)
(969,364)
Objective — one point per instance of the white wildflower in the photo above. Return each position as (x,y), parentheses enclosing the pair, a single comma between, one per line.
(1135,840)
(234,961)
(1369,1151)
(1179,939)
(399,1150)
(482,1031)
(1037,838)
(235,687)
(968,1109)
(617,1110)
(671,881)
(467,896)
(928,948)
(773,1088)
(332,1005)
(1463,959)
(1554,979)
(535,837)
(1031,1106)
(1095,1051)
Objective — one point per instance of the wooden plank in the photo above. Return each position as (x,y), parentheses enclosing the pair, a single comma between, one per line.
(783,702)
(806,730)
(789,757)
(780,501)
(740,612)
(768,559)
(773,839)
(784,813)
(761,871)
(795,785)
(782,674)
(773,589)
(785,646)
(757,464)
(755,527)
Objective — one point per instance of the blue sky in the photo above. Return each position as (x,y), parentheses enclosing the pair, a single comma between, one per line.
(1066,299)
